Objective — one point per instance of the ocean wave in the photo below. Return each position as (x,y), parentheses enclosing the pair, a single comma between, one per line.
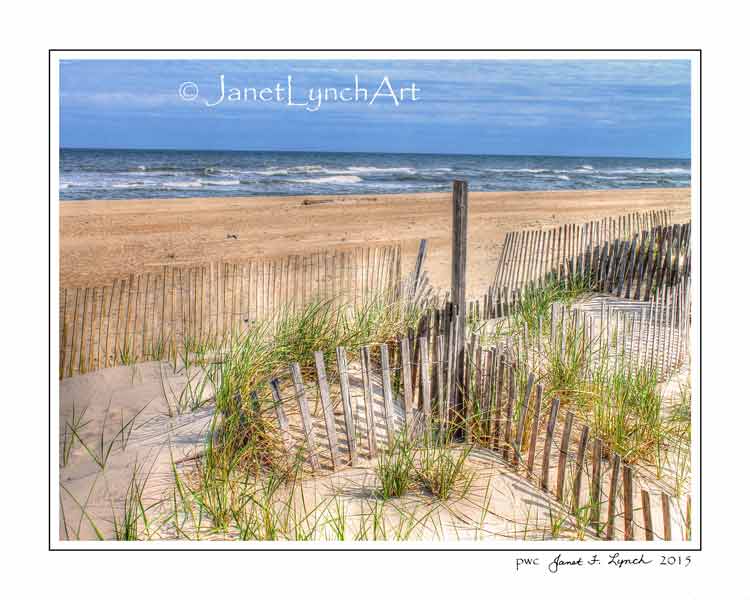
(648,171)
(149,169)
(220,181)
(182,184)
(518,170)
(271,172)
(307,169)
(335,179)
(366,169)
(132,184)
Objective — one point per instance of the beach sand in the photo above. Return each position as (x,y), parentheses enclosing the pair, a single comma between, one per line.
(104,240)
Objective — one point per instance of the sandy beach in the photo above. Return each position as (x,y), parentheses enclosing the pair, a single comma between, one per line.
(104,240)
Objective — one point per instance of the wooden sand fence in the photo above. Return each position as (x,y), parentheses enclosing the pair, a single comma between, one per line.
(158,315)
(433,383)
(530,254)
(640,267)
(350,410)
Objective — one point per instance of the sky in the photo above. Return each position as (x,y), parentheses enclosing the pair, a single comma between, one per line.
(509,107)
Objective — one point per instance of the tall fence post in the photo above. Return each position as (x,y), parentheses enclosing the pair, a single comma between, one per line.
(458,285)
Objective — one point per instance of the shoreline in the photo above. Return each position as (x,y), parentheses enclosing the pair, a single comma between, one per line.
(101,240)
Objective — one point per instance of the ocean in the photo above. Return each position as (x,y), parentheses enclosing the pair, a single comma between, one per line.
(122,174)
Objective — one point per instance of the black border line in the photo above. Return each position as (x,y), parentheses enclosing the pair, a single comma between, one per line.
(243,548)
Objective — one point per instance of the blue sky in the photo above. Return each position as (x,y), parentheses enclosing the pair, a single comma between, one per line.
(574,108)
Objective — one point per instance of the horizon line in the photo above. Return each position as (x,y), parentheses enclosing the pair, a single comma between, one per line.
(373,152)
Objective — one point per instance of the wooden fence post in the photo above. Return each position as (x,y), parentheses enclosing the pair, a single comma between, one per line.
(458,280)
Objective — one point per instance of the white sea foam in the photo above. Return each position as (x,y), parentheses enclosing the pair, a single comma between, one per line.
(336,179)
(183,184)
(220,181)
(518,170)
(649,171)
(132,184)
(270,172)
(367,169)
(307,169)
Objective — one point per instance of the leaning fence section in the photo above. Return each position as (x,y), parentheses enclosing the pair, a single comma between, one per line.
(645,267)
(351,408)
(159,315)
(615,252)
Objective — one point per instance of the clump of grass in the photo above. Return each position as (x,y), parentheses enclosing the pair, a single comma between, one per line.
(71,432)
(133,522)
(625,408)
(395,467)
(565,373)
(266,349)
(126,355)
(443,470)
(320,325)
(102,448)
(534,307)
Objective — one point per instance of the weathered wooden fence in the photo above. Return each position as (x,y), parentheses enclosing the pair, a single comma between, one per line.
(354,408)
(158,315)
(654,332)
(641,268)
(433,383)
(616,253)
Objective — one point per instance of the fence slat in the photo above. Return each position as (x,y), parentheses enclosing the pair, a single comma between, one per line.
(304,410)
(364,359)
(646,509)
(551,421)
(534,429)
(612,508)
(580,464)
(406,383)
(325,397)
(281,417)
(627,493)
(563,458)
(346,401)
(424,378)
(387,393)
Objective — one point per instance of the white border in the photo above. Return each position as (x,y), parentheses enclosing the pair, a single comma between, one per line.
(525,547)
